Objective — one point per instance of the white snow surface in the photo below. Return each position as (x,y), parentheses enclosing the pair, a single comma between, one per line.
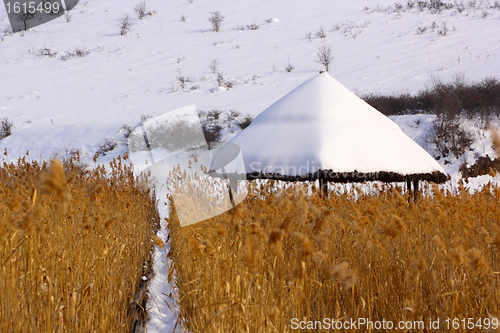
(321,125)
(58,105)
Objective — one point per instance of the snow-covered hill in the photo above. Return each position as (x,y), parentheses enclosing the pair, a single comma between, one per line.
(61,102)
(73,86)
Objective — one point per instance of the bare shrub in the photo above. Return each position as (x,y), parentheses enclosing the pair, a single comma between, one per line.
(228,84)
(212,114)
(212,133)
(140,10)
(219,78)
(183,80)
(25,16)
(107,146)
(77,52)
(247,120)
(325,56)
(443,31)
(449,136)
(253,26)
(289,67)
(216,19)
(183,18)
(214,65)
(5,128)
(224,82)
(309,35)
(127,129)
(125,24)
(44,52)
(81,52)
(421,30)
(321,33)
(211,126)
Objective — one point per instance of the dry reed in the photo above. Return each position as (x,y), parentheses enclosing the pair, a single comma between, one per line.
(352,255)
(73,245)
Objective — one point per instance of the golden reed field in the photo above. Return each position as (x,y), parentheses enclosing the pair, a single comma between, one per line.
(285,259)
(73,244)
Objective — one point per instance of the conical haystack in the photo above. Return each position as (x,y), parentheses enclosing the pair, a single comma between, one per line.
(321,130)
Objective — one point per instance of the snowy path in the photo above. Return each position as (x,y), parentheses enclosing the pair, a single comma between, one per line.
(162,308)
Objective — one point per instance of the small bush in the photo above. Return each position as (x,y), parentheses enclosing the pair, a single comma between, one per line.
(229,84)
(140,10)
(77,52)
(211,125)
(219,78)
(183,18)
(216,19)
(421,30)
(213,114)
(325,56)
(127,129)
(81,52)
(5,128)
(247,120)
(321,33)
(183,80)
(44,52)
(125,24)
(107,146)
(289,67)
(253,26)
(449,136)
(214,65)
(443,31)
(212,133)
(215,121)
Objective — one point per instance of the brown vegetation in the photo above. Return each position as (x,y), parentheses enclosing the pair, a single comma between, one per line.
(73,244)
(279,256)
(459,96)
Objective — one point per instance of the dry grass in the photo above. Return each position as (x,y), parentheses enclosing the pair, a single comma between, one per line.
(72,246)
(280,256)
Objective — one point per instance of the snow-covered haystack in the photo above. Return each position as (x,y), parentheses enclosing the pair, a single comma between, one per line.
(321,130)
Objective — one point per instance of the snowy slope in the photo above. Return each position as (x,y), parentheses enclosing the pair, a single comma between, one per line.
(64,103)
(59,105)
